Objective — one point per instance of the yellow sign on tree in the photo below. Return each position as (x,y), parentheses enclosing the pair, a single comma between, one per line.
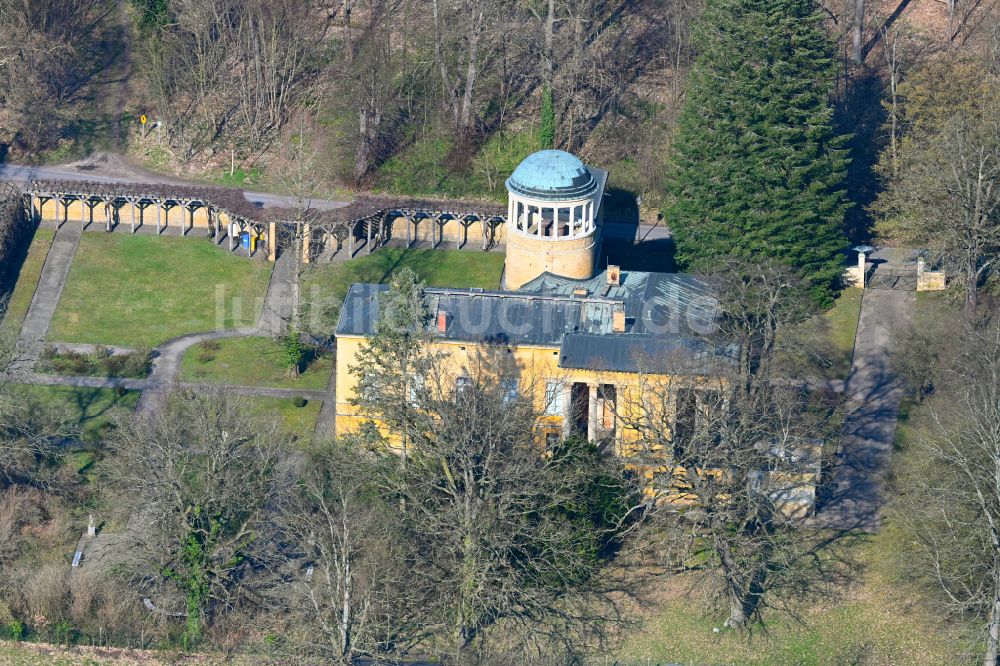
(142,119)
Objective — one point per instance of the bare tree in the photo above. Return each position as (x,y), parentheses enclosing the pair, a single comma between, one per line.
(734,451)
(464,38)
(30,430)
(858,32)
(49,51)
(354,586)
(199,481)
(950,505)
(947,196)
(274,43)
(232,69)
(505,532)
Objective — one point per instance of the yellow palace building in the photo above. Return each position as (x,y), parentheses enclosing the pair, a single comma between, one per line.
(586,338)
(591,341)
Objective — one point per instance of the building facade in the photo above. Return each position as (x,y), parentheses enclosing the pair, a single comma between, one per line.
(592,347)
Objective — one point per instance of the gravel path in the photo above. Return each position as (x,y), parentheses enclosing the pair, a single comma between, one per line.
(46,297)
(872,410)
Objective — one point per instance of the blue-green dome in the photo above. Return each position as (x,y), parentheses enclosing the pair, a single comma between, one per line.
(552,175)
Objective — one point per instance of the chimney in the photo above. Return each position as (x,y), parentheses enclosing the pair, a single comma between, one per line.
(618,318)
(614,275)
(442,322)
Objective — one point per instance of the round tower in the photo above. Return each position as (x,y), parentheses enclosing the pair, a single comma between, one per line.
(552,215)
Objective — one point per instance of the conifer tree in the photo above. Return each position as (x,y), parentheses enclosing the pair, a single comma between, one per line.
(758,170)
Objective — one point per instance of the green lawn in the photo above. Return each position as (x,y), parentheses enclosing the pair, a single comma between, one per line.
(91,409)
(27,279)
(823,345)
(250,362)
(842,320)
(325,286)
(299,421)
(877,620)
(143,290)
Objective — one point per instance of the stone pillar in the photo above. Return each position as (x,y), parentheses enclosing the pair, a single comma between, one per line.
(861,268)
(567,396)
(306,238)
(368,236)
(91,527)
(132,209)
(272,242)
(619,437)
(159,213)
(592,413)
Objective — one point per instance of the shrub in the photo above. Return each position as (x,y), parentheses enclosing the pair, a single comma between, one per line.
(121,391)
(137,363)
(211,345)
(15,629)
(205,356)
(299,401)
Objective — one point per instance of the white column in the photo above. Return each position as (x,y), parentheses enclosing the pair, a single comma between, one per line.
(567,397)
(541,218)
(592,413)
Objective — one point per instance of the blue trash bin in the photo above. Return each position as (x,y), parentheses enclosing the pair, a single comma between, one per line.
(245,241)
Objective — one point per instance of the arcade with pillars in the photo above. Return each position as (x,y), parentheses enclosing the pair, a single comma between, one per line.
(587,409)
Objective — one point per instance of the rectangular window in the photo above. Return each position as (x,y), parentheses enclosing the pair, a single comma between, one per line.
(508,389)
(554,398)
(462,385)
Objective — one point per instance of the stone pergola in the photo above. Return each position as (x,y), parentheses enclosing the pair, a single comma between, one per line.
(222,206)
(373,220)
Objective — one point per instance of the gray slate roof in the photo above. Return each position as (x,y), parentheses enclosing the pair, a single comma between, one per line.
(655,303)
(640,353)
(667,315)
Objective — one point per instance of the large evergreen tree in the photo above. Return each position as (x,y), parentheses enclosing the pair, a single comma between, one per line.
(758,170)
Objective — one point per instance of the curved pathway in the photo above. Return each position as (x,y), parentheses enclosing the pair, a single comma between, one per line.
(273,320)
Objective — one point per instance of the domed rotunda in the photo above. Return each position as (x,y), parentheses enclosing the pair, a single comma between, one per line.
(553,217)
